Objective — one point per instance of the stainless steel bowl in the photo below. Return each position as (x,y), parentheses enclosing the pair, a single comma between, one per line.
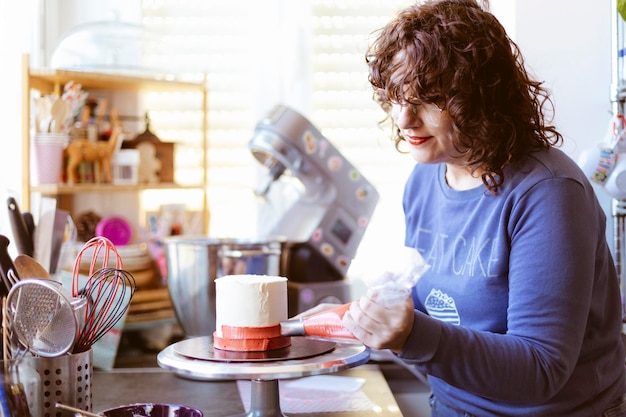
(193,264)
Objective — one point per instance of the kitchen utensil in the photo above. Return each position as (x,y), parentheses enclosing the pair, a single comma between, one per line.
(13,389)
(193,265)
(43,117)
(16,396)
(63,231)
(28,267)
(43,316)
(4,400)
(59,112)
(11,347)
(77,411)
(326,324)
(152,410)
(6,352)
(44,231)
(108,292)
(23,393)
(22,384)
(8,273)
(21,234)
(101,250)
(29,221)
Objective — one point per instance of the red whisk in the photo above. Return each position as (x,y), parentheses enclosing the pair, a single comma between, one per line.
(108,291)
(101,246)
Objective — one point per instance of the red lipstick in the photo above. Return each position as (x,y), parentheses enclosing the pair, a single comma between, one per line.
(416,140)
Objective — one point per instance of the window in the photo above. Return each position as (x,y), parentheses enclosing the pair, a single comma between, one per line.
(308,55)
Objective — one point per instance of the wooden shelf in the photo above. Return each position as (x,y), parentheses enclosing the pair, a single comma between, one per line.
(59,189)
(52,81)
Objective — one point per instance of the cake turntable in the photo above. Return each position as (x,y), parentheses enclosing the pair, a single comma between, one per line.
(195,358)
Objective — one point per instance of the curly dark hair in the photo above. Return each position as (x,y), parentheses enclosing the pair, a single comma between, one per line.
(457,55)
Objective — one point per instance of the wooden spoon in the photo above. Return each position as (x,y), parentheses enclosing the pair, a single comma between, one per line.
(28,267)
(58,111)
(77,411)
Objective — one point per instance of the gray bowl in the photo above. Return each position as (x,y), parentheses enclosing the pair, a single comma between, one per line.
(152,410)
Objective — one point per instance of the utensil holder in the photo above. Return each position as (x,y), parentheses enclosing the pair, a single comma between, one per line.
(65,379)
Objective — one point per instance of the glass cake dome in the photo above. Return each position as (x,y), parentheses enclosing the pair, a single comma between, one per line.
(109,46)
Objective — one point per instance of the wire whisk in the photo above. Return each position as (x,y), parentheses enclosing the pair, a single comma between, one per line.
(109,292)
(101,250)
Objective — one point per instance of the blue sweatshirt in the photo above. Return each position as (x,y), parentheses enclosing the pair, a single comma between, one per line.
(520,312)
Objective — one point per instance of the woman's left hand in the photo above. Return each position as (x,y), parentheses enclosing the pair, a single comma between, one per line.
(380,327)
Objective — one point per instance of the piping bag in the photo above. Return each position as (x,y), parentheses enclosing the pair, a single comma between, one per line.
(388,288)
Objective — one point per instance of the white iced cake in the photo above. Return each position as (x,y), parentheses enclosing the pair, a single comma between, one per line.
(248,312)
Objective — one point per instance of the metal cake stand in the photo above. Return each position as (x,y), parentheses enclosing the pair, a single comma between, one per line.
(196,358)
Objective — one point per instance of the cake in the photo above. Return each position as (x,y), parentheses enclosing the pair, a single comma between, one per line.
(248,312)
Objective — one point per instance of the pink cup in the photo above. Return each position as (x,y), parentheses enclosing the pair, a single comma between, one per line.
(47,158)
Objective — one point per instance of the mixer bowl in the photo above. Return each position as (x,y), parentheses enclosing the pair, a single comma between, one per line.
(193,264)
(152,410)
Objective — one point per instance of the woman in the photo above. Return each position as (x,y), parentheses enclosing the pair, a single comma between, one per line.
(520,311)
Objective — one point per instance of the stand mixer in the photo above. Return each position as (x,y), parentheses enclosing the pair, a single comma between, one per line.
(323,227)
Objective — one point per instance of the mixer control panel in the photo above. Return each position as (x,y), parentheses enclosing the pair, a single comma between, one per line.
(338,235)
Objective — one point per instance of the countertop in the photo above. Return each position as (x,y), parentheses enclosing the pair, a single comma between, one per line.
(219,398)
(137,377)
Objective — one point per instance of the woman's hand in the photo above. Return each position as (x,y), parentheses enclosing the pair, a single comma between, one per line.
(380,327)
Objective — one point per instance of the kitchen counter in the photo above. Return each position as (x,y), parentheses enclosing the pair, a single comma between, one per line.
(137,377)
(219,398)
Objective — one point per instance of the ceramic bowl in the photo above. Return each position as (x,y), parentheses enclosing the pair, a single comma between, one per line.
(152,410)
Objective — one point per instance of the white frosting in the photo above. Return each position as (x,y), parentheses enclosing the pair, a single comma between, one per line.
(250,301)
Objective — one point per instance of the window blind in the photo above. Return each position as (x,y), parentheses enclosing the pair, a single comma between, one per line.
(309,54)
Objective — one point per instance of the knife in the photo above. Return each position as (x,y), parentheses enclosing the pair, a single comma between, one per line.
(23,238)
